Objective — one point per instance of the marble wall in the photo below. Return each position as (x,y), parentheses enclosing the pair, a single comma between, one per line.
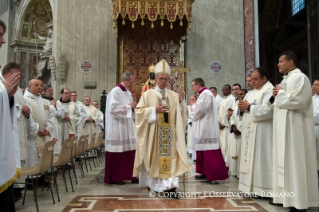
(217,34)
(83,31)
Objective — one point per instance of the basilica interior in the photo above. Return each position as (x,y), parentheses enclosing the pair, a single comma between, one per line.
(86,46)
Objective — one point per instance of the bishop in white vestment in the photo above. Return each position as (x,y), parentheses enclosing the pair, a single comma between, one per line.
(256,163)
(161,151)
(295,161)
(120,134)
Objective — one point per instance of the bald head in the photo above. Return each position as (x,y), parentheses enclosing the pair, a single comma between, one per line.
(35,86)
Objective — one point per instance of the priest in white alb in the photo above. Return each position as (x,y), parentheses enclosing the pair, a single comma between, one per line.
(79,129)
(206,136)
(190,149)
(256,163)
(161,151)
(89,126)
(100,118)
(40,111)
(57,113)
(225,109)
(235,136)
(315,100)
(295,160)
(72,116)
(120,134)
(217,97)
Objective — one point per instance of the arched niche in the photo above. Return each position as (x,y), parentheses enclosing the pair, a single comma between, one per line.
(33,17)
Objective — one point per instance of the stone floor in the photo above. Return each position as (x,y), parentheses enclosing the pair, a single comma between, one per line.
(92,195)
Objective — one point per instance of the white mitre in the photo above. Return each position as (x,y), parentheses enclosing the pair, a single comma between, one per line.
(162,67)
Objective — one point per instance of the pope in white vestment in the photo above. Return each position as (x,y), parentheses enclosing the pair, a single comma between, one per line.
(161,151)
(256,163)
(226,103)
(295,163)
(120,134)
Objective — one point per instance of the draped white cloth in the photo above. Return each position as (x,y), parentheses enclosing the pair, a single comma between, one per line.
(294,148)
(120,134)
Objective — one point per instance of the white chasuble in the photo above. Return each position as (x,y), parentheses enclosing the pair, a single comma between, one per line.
(120,134)
(206,135)
(68,128)
(256,163)
(161,151)
(9,152)
(89,127)
(294,147)
(225,104)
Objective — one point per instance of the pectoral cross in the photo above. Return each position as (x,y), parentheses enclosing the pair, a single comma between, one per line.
(181,71)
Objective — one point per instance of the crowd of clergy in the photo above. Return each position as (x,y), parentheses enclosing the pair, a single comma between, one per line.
(265,135)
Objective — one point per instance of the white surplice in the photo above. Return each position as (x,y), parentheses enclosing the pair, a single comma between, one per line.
(205,123)
(256,162)
(25,126)
(40,112)
(89,127)
(68,128)
(294,147)
(9,140)
(235,141)
(218,100)
(99,122)
(56,113)
(190,150)
(226,103)
(315,100)
(120,134)
(79,129)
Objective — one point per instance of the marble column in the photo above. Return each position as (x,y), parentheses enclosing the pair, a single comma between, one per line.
(249,35)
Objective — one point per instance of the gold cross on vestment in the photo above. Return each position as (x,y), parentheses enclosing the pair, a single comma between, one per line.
(181,71)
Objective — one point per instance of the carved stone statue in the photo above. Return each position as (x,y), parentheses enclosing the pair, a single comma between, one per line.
(44,67)
(150,83)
